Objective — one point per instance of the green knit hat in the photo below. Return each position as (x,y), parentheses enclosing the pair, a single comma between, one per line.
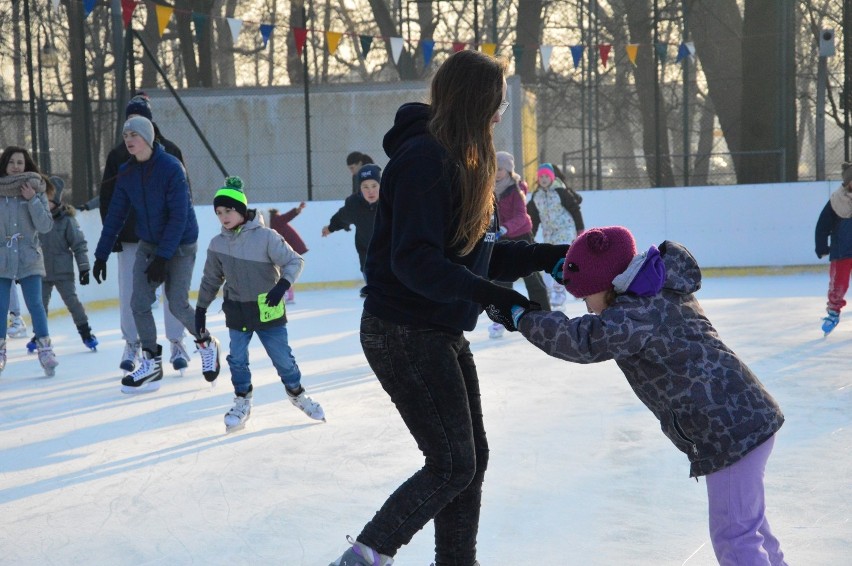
(232,196)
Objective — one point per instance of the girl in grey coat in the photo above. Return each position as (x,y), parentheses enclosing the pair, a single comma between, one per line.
(643,315)
(24,214)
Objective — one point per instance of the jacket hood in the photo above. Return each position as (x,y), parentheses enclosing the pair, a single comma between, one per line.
(411,120)
(253,222)
(682,272)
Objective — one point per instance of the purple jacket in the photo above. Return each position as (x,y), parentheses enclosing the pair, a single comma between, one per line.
(512,212)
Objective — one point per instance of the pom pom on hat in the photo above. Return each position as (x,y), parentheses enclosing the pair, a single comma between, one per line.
(597,257)
(546,170)
(139,105)
(232,196)
(141,126)
(506,161)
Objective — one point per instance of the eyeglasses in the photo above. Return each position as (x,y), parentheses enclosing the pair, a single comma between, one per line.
(502,107)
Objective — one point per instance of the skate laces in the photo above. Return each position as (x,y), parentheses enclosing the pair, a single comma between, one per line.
(46,357)
(143,369)
(207,350)
(241,407)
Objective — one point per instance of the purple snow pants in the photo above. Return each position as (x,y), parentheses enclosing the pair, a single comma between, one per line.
(738,527)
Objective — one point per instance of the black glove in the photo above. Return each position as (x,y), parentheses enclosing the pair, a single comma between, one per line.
(157,270)
(546,256)
(84,277)
(200,320)
(822,251)
(274,296)
(117,247)
(99,270)
(498,302)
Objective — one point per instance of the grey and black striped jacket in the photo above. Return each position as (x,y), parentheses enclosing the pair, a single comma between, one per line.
(709,403)
(247,261)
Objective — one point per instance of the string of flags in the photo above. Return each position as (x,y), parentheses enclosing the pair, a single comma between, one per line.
(685,50)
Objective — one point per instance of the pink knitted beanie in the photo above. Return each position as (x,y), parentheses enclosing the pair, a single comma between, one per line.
(595,258)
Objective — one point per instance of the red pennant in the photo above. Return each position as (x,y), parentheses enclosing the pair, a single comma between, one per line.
(459,46)
(604,49)
(301,35)
(127,7)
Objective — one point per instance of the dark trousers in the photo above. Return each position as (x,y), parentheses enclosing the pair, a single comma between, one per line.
(431,378)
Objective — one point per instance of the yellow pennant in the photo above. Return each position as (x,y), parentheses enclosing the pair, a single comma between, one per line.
(164,14)
(489,48)
(632,49)
(332,39)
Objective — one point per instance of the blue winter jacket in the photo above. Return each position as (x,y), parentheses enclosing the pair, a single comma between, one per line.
(157,191)
(839,229)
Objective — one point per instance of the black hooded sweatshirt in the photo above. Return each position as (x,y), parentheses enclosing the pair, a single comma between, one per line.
(414,276)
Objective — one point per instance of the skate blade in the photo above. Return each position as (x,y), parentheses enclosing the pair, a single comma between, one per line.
(149,387)
(234,428)
(49,372)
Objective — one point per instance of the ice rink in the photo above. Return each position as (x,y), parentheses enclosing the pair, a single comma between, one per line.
(579,472)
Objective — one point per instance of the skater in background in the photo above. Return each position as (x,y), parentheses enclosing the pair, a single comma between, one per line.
(359,209)
(428,271)
(24,216)
(153,184)
(354,161)
(281,224)
(17,328)
(60,247)
(256,266)
(644,315)
(556,208)
(515,224)
(127,245)
(833,237)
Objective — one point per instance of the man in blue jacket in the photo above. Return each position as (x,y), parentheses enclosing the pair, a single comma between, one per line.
(153,184)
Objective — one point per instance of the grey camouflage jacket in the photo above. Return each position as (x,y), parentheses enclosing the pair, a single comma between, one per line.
(709,403)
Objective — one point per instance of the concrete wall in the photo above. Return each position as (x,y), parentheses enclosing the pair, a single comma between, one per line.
(736,226)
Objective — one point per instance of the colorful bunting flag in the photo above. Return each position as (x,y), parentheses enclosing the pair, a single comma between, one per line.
(489,49)
(127,7)
(164,14)
(632,50)
(199,21)
(235,25)
(604,49)
(88,6)
(662,50)
(577,54)
(396,44)
(300,35)
(332,41)
(686,49)
(265,32)
(546,51)
(459,46)
(428,47)
(517,53)
(366,43)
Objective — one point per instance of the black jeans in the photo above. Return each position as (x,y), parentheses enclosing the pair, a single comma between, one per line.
(431,378)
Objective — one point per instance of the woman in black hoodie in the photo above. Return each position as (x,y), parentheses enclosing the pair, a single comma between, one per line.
(428,268)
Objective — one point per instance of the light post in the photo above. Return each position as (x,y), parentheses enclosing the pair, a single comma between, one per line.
(46,58)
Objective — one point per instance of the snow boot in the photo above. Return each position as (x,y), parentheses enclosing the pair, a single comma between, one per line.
(361,555)
(304,403)
(146,378)
(46,357)
(89,339)
(17,327)
(236,417)
(180,357)
(831,320)
(208,348)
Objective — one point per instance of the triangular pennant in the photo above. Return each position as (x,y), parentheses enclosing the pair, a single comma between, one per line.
(164,14)
(300,35)
(517,53)
(662,50)
(366,44)
(127,7)
(198,22)
(604,49)
(682,53)
(265,32)
(577,54)
(88,6)
(546,52)
(332,40)
(632,50)
(428,47)
(56,5)
(459,46)
(396,44)
(489,49)
(691,46)
(235,25)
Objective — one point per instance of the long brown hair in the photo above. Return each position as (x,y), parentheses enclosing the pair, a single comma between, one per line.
(466,91)
(6,157)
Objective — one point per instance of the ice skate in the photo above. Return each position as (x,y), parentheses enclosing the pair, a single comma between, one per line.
(146,378)
(180,357)
(496,330)
(831,320)
(361,555)
(17,327)
(305,404)
(46,357)
(208,349)
(236,417)
(558,296)
(89,339)
(129,357)
(32,346)
(2,355)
